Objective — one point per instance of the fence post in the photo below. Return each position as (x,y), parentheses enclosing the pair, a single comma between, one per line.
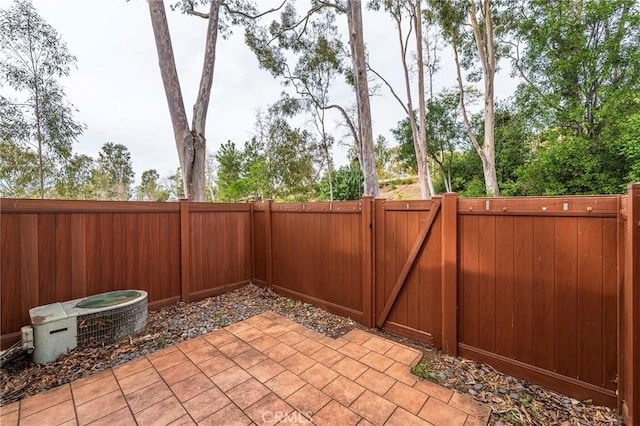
(631,308)
(185,246)
(450,274)
(252,241)
(268,244)
(367,226)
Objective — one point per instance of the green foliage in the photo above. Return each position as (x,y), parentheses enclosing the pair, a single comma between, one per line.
(423,369)
(230,184)
(150,189)
(566,165)
(348,184)
(18,171)
(76,180)
(39,119)
(114,174)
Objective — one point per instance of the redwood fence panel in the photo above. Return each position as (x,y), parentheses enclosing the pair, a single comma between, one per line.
(313,252)
(55,250)
(417,311)
(538,290)
(544,288)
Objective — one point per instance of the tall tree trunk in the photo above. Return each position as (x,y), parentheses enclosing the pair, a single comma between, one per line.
(422,106)
(486,51)
(190,142)
(39,137)
(354,19)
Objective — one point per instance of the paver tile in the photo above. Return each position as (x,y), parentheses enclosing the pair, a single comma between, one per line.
(269,410)
(203,354)
(139,380)
(191,386)
(234,349)
(45,400)
(378,344)
(470,406)
(248,392)
(332,343)
(402,417)
(206,403)
(220,338)
(335,413)
(353,350)
(349,368)
(375,381)
(250,334)
(434,390)
(215,365)
(280,352)
(402,373)
(92,378)
(100,407)
(237,327)
(55,414)
(229,415)
(169,360)
(291,337)
(297,363)
(308,346)
(406,397)
(343,390)
(377,361)
(372,407)
(276,330)
(121,417)
(319,375)
(474,421)
(249,358)
(230,378)
(285,383)
(146,397)
(162,413)
(357,336)
(94,390)
(403,354)
(308,400)
(131,367)
(179,372)
(263,343)
(327,356)
(185,420)
(265,370)
(439,413)
(192,344)
(10,419)
(162,352)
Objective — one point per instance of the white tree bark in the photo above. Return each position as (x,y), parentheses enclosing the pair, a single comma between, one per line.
(190,142)
(354,19)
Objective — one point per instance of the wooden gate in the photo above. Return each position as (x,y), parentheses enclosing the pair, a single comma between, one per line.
(408,268)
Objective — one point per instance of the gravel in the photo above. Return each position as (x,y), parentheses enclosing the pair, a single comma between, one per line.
(534,404)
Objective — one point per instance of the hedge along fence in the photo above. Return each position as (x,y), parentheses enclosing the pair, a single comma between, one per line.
(544,288)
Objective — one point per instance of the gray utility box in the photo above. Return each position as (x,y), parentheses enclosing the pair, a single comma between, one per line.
(91,321)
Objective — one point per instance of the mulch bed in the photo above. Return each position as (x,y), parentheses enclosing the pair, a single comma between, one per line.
(513,401)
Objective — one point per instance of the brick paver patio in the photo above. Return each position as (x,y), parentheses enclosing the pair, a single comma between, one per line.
(264,370)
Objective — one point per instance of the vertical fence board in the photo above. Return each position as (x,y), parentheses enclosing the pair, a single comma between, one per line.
(590,301)
(566,292)
(543,291)
(486,294)
(523,294)
(79,256)
(609,304)
(469,280)
(504,283)
(10,291)
(63,256)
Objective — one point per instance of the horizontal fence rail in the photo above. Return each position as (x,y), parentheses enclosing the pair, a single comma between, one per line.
(543,288)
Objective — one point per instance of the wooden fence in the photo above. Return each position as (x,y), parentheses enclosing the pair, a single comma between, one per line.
(61,250)
(547,289)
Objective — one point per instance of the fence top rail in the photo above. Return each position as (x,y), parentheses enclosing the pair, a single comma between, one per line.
(407,205)
(594,206)
(219,207)
(351,207)
(15,205)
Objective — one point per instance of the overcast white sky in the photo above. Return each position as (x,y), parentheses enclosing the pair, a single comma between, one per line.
(118,91)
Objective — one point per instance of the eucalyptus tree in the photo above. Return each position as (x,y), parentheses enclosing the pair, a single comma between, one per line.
(114,173)
(311,38)
(411,12)
(150,188)
(32,60)
(469,27)
(190,139)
